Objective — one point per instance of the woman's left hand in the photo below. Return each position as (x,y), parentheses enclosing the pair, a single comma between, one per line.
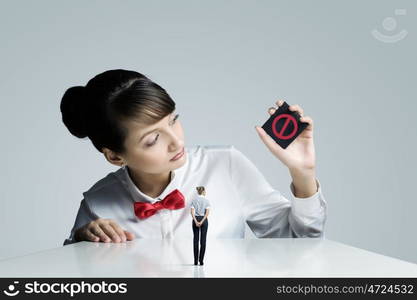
(300,154)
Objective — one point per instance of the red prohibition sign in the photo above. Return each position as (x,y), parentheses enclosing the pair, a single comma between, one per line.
(289,119)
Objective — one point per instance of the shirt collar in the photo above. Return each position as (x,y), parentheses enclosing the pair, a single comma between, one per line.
(138,195)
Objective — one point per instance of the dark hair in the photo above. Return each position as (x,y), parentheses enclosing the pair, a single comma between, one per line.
(200,190)
(99,109)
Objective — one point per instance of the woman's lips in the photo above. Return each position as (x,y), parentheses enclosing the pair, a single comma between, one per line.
(179,155)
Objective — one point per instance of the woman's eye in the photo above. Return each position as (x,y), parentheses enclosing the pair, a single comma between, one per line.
(157,136)
(154,141)
(175,118)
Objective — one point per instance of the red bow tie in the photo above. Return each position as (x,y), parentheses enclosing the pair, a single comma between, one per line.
(173,200)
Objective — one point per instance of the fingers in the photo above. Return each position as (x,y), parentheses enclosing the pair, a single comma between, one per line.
(296,108)
(96,230)
(108,229)
(121,234)
(119,231)
(91,237)
(271,110)
(308,120)
(129,236)
(279,102)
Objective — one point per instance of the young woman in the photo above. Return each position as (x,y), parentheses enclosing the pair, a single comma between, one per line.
(200,208)
(132,121)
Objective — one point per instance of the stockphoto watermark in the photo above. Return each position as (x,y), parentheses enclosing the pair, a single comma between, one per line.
(390,31)
(71,289)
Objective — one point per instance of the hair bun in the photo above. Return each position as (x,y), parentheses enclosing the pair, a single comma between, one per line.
(74,108)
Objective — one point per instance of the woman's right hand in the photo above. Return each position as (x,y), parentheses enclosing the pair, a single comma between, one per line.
(103,230)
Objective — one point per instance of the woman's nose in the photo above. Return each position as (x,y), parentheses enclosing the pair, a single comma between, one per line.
(176,142)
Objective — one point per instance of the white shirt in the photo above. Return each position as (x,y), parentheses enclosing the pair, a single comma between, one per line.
(239,193)
(200,205)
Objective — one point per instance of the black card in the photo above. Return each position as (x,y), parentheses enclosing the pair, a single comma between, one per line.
(284,125)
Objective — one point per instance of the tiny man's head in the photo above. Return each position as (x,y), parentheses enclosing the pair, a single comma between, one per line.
(201,190)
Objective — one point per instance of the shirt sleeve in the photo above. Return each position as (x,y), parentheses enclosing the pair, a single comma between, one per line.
(267,212)
(84,216)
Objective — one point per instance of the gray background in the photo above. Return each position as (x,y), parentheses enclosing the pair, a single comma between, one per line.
(224,63)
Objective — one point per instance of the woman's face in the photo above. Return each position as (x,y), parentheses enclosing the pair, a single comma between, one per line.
(154,149)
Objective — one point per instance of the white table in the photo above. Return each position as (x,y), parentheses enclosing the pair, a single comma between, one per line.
(224,258)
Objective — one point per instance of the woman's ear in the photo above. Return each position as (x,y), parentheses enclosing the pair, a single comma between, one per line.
(113,158)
